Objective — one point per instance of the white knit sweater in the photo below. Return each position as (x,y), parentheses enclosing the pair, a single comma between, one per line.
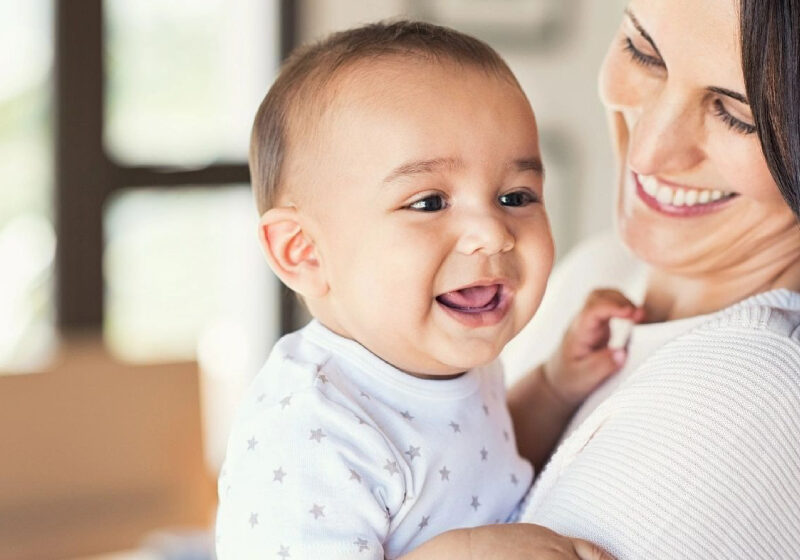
(697,454)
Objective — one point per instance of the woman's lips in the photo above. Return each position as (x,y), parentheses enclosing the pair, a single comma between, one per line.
(677,201)
(477,305)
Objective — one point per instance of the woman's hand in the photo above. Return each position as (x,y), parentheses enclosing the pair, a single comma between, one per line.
(584,359)
(515,541)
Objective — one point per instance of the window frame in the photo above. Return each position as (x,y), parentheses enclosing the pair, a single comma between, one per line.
(85,176)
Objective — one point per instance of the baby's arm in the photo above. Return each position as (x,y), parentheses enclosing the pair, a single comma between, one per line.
(517,541)
(298,483)
(543,401)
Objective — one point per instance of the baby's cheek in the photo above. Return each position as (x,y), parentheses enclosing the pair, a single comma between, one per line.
(537,263)
(538,250)
(401,277)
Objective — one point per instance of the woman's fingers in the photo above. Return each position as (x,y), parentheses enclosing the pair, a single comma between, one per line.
(590,551)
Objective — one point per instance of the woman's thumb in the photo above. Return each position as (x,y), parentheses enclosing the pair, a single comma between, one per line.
(590,551)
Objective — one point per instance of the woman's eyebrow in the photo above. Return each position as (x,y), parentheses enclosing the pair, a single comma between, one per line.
(729,93)
(641,30)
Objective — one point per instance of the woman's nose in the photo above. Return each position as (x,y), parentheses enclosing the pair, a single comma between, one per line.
(484,233)
(666,135)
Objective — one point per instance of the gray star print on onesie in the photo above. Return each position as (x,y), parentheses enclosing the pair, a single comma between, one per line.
(332,462)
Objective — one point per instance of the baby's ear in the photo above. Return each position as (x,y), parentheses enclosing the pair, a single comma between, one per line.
(291,253)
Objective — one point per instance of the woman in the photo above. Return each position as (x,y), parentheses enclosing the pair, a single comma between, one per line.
(693,451)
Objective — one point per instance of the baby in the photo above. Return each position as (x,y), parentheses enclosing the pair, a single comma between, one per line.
(397,173)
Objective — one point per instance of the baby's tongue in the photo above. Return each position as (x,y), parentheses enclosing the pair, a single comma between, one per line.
(478,296)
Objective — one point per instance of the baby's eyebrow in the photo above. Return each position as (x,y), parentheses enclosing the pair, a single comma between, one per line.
(422,166)
(529,164)
(431,165)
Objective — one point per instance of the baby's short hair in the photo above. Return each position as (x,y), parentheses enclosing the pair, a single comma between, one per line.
(299,91)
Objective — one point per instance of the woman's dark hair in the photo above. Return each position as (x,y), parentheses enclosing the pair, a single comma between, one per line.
(771,62)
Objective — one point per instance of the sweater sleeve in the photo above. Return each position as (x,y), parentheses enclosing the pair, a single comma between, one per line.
(697,457)
(306,478)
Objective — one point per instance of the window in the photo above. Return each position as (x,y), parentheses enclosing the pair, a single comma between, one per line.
(183,274)
(151,147)
(27,239)
(184,78)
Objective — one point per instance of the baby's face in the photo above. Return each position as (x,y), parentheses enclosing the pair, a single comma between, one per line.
(426,205)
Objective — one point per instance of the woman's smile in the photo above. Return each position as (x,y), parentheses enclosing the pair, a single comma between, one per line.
(677,200)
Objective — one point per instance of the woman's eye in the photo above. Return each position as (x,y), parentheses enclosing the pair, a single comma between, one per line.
(518,198)
(432,203)
(639,57)
(732,122)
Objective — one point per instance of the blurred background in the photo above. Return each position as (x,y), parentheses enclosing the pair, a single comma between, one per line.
(135,304)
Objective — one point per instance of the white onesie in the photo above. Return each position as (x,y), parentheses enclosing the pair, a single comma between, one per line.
(334,453)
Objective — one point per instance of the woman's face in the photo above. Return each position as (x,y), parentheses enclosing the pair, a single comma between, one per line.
(695,194)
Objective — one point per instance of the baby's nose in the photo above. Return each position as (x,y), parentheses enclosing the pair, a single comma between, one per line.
(486,234)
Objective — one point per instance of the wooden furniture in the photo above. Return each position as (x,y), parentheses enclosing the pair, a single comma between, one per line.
(97,453)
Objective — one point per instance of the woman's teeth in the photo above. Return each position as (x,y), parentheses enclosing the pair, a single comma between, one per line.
(677,196)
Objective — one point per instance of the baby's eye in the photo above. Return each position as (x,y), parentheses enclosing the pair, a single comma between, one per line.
(518,198)
(431,203)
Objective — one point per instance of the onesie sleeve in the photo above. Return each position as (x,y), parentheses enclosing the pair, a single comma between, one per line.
(305,477)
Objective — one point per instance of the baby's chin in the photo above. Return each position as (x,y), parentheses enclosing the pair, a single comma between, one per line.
(445,363)
(476,351)
(469,357)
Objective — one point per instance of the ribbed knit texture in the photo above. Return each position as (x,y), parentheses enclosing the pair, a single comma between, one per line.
(697,455)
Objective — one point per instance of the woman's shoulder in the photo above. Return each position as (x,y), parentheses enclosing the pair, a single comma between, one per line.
(764,328)
(743,358)
(775,313)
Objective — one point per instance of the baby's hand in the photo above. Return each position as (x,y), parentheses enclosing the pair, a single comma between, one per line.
(584,359)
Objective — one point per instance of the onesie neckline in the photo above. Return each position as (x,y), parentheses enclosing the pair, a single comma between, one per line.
(385,373)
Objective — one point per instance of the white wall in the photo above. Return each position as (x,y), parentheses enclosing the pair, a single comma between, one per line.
(558,72)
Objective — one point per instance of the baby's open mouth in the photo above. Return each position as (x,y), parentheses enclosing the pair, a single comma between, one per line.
(475,299)
(478,305)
